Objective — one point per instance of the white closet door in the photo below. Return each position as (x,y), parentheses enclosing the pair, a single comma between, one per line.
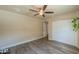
(44,29)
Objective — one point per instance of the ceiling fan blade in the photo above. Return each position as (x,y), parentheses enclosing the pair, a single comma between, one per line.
(44,7)
(43,15)
(33,10)
(35,14)
(49,12)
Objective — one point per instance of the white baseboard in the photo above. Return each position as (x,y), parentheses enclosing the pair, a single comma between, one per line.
(11,45)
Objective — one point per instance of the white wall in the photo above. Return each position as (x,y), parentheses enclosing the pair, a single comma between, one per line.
(18,28)
(50,28)
(60,28)
(62,31)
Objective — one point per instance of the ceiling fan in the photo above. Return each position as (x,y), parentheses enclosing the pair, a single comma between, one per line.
(41,11)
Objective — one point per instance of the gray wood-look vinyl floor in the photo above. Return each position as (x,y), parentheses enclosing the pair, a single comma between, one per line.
(44,46)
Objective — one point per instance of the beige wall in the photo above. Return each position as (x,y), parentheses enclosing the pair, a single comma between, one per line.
(64,21)
(68,15)
(16,28)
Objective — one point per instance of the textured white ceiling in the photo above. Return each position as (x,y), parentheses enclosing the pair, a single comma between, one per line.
(24,9)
